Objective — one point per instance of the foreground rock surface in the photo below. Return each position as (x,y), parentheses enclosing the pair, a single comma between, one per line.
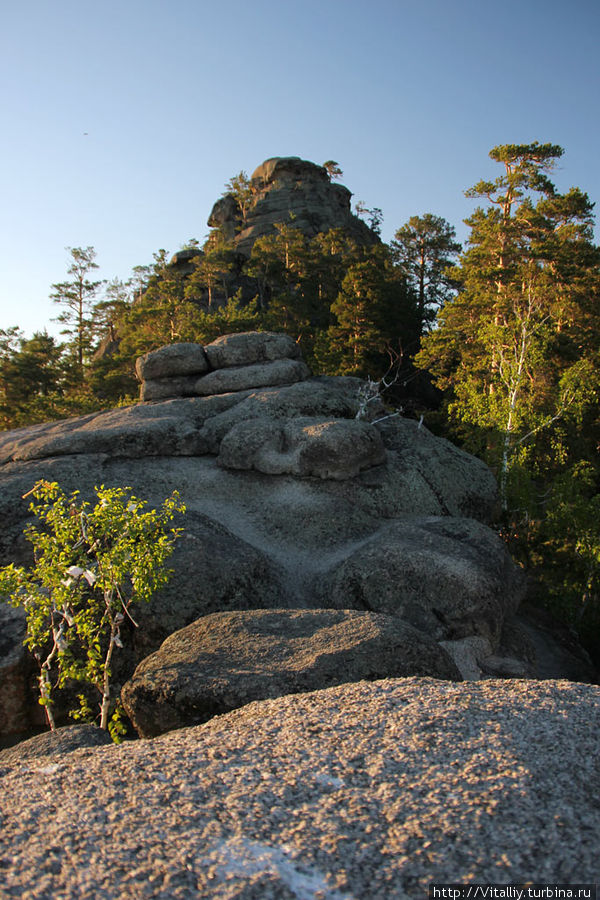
(227,660)
(369,790)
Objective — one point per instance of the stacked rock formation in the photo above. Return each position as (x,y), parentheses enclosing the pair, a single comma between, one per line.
(292,191)
(327,547)
(234,362)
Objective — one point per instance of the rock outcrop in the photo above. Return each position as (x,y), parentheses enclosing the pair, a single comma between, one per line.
(366,790)
(250,348)
(182,262)
(226,660)
(172,361)
(291,191)
(449,577)
(294,502)
(234,362)
(284,191)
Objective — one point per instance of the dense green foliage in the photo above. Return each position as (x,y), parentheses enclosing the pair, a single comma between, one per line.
(38,381)
(424,248)
(91,565)
(517,354)
(345,304)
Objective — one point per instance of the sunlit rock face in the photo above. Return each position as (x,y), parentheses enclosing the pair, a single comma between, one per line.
(288,190)
(297,498)
(365,790)
(233,362)
(226,660)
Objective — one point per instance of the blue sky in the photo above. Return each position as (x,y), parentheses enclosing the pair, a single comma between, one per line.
(176,96)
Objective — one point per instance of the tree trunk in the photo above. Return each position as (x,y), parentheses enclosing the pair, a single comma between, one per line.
(44,683)
(105,705)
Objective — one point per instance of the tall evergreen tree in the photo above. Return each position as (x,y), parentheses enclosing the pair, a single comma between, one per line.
(31,370)
(518,354)
(76,296)
(518,348)
(162,315)
(424,248)
(333,169)
(241,188)
(373,313)
(209,283)
(107,312)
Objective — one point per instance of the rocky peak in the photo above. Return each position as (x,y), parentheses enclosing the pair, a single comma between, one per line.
(289,190)
(183,261)
(285,169)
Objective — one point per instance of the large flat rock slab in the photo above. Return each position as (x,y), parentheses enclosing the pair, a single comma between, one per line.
(421,474)
(259,375)
(369,790)
(171,428)
(227,660)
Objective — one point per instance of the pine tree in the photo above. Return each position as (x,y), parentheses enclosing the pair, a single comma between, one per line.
(333,169)
(240,186)
(209,283)
(162,315)
(373,313)
(30,371)
(517,349)
(77,297)
(424,248)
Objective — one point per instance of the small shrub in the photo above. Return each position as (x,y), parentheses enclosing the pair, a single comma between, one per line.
(92,564)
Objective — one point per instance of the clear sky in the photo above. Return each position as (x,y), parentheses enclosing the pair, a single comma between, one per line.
(123,119)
